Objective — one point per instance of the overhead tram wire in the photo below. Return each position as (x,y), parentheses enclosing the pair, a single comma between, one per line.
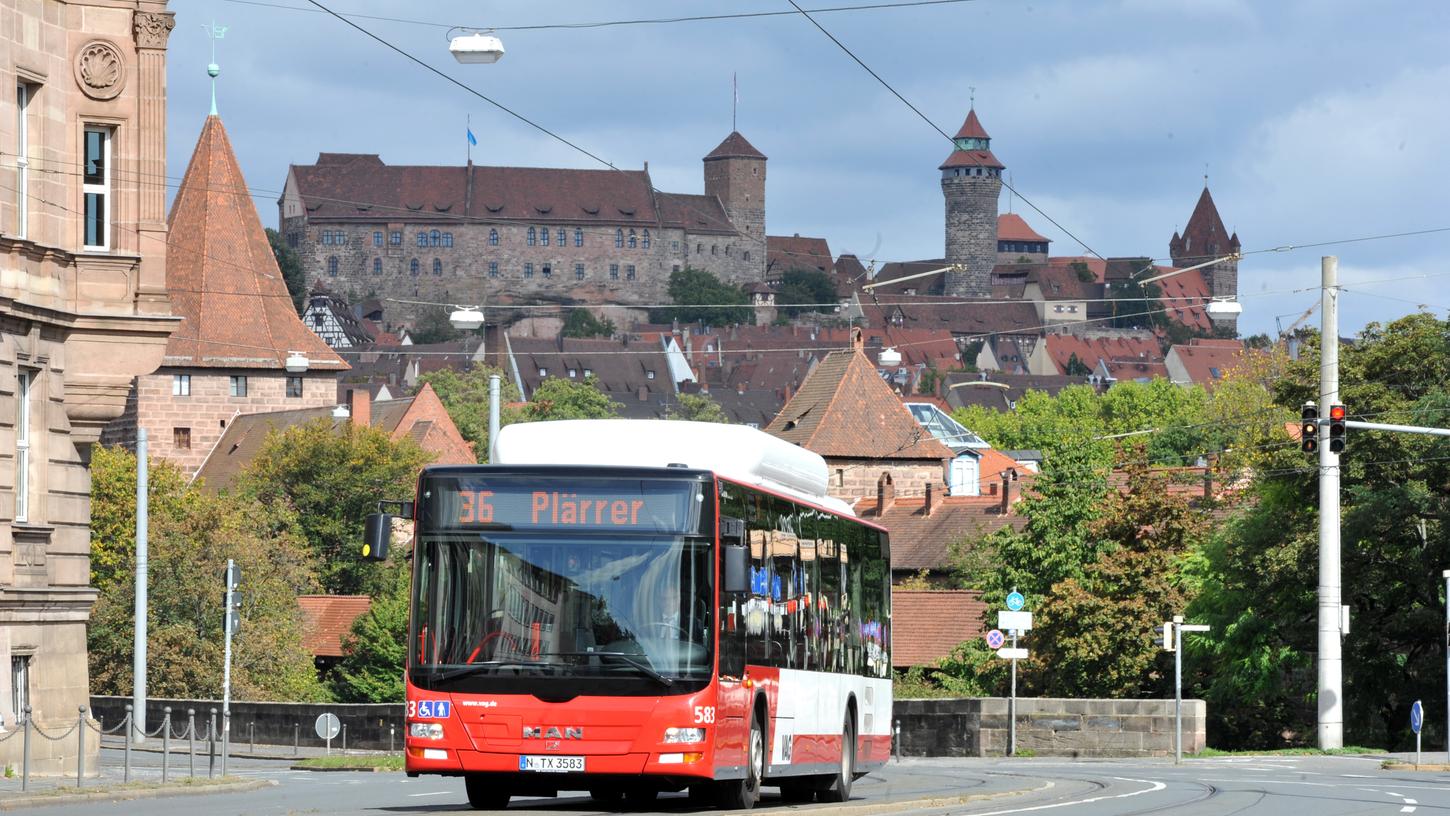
(614,23)
(1025,200)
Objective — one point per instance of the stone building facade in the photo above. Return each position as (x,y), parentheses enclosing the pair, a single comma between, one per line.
(239,336)
(83,309)
(498,235)
(1206,239)
(971,182)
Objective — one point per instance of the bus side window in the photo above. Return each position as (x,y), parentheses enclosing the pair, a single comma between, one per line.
(758,525)
(784,595)
(828,608)
(731,626)
(858,561)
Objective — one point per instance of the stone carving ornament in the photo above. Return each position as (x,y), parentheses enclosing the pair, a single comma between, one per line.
(153,28)
(100,71)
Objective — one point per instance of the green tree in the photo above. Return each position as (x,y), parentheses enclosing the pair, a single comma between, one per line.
(806,290)
(433,326)
(192,534)
(374,650)
(698,408)
(583,323)
(113,512)
(329,477)
(291,266)
(558,398)
(701,297)
(465,396)
(1075,367)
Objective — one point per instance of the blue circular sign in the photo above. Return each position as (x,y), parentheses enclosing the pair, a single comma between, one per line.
(1417,716)
(995,639)
(1015,601)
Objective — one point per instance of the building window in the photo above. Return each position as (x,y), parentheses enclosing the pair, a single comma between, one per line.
(294,386)
(19,684)
(699,248)
(645,242)
(181,438)
(239,385)
(544,236)
(629,271)
(181,385)
(547,271)
(292,240)
(493,237)
(378,238)
(578,237)
(528,270)
(96,185)
(413,267)
(588,373)
(395,238)
(573,372)
(23,93)
(619,239)
(562,237)
(533,236)
(747,254)
(326,237)
(674,246)
(317,320)
(714,250)
(422,239)
(437,266)
(435,238)
(377,266)
(578,271)
(493,269)
(543,372)
(614,271)
(649,375)
(633,241)
(24,380)
(339,237)
(447,240)
(332,266)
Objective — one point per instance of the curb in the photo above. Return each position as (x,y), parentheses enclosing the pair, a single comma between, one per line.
(1438,767)
(125,794)
(348,768)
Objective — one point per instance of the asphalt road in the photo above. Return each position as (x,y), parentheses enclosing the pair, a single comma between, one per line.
(1296,786)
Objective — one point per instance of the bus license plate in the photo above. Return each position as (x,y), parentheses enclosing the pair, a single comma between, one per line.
(551,764)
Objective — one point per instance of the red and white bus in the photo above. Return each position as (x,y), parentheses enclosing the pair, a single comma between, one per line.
(627,607)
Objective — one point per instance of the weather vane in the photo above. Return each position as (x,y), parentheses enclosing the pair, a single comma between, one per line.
(214,32)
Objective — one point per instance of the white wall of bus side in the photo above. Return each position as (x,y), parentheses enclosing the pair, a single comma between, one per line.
(814,703)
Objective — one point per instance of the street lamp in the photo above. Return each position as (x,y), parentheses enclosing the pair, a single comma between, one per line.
(1224,307)
(466,318)
(475,47)
(889,357)
(296,362)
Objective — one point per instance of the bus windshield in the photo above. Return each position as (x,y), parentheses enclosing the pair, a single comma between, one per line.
(519,612)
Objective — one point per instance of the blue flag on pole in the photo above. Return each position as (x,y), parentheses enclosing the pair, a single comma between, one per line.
(471,138)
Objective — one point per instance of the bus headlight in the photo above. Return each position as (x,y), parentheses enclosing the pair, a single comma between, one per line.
(684,735)
(432,731)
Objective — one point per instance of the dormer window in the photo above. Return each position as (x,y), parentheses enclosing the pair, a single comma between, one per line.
(543,372)
(649,375)
(573,372)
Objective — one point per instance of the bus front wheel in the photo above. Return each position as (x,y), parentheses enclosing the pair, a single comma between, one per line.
(742,794)
(484,794)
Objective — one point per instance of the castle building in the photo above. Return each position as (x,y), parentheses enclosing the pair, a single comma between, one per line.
(497,235)
(1205,239)
(971,182)
(83,310)
(239,332)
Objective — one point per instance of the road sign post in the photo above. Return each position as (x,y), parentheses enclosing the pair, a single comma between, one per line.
(1173,642)
(1016,621)
(1417,721)
(327,727)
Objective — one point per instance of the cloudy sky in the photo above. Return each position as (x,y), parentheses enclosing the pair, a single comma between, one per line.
(1316,120)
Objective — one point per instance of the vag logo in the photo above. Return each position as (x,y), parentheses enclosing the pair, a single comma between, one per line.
(553,732)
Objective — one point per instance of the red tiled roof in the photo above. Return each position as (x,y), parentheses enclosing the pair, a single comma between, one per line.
(786,252)
(1183,296)
(735,146)
(223,278)
(972,127)
(920,541)
(1206,362)
(1205,237)
(1013,227)
(926,625)
(326,618)
(695,213)
(845,409)
(971,158)
(1126,350)
(951,314)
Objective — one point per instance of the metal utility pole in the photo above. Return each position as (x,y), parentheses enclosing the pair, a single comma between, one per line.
(138,654)
(1331,663)
(493,387)
(1446,575)
(230,618)
(1177,689)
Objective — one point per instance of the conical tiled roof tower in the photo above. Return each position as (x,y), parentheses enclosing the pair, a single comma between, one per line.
(1205,239)
(224,280)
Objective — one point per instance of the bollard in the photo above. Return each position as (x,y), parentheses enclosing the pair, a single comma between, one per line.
(81,748)
(25,757)
(391,728)
(252,736)
(226,738)
(344,738)
(129,737)
(211,745)
(896,743)
(296,739)
(191,740)
(165,743)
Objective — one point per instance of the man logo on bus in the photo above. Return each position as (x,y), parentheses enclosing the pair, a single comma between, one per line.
(553,732)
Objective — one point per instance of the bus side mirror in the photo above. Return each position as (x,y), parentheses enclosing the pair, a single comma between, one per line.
(377,534)
(737,568)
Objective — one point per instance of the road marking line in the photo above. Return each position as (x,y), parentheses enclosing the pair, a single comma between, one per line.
(1407,809)
(430,793)
(1263,781)
(1409,801)
(1392,793)
(1359,776)
(1156,786)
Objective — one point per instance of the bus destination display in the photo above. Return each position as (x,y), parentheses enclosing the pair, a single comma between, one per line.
(596,504)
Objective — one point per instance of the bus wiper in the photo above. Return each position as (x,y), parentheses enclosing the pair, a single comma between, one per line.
(644,668)
(474,668)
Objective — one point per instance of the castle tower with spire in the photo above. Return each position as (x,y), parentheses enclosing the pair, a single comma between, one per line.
(971,182)
(1204,239)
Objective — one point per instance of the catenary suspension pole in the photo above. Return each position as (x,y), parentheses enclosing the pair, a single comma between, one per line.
(138,655)
(1331,664)
(493,388)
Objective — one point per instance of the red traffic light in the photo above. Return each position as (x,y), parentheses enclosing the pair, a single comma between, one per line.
(1336,413)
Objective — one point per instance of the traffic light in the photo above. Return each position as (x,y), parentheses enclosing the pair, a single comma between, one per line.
(1165,637)
(1336,429)
(377,533)
(1309,428)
